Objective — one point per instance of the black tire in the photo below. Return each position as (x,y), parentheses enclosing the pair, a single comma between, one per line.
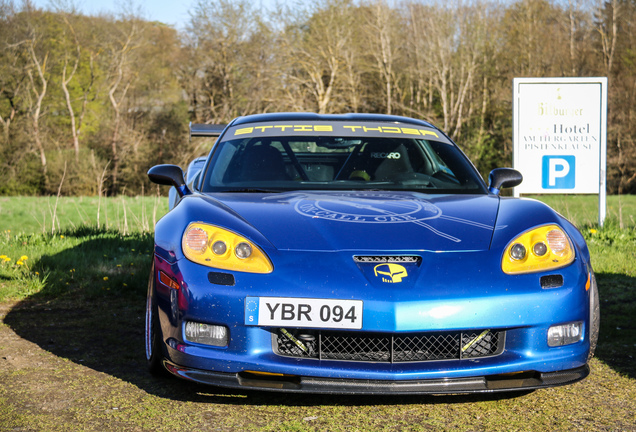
(154,356)
(595,315)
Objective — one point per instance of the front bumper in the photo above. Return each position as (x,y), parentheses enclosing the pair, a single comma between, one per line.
(443,299)
(303,384)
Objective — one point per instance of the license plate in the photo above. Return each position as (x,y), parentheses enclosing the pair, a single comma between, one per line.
(303,312)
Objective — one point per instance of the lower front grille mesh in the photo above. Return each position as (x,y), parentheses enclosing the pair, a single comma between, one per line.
(389,348)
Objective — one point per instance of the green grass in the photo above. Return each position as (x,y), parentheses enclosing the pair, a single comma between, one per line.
(80,262)
(53,215)
(582,210)
(75,244)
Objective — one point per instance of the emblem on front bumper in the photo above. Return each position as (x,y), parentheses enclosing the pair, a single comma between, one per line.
(390,272)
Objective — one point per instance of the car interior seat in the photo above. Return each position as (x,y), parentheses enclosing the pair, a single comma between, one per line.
(394,163)
(263,163)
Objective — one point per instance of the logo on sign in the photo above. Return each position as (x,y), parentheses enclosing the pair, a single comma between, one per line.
(558,172)
(390,273)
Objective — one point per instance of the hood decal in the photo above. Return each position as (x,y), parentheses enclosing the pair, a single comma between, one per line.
(385,222)
(373,208)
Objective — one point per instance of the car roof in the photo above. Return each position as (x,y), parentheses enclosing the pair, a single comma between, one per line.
(306,116)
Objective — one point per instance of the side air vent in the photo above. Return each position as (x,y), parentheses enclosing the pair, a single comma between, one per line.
(552,281)
(218,278)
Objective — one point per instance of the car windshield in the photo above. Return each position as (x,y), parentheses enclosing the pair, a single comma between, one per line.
(274,157)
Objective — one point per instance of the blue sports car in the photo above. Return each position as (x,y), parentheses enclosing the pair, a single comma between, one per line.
(362,254)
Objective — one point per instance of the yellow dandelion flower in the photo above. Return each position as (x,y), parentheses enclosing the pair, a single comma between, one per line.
(7,259)
(37,273)
(118,265)
(24,258)
(61,236)
(593,231)
(2,257)
(19,263)
(105,278)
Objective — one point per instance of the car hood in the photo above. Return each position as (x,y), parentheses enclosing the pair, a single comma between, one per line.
(367,220)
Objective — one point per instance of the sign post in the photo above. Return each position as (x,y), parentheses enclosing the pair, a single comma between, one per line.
(560,136)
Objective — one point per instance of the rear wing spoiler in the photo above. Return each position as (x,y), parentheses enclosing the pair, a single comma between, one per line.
(206,130)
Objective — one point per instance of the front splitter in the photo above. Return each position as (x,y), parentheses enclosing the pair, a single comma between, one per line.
(302,384)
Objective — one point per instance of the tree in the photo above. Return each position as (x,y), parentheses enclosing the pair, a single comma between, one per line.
(229,61)
(124,39)
(615,24)
(112,95)
(315,53)
(67,77)
(450,45)
(382,31)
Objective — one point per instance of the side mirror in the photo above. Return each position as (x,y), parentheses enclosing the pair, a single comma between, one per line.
(503,178)
(170,175)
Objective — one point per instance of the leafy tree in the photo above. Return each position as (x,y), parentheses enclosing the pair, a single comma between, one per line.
(89,103)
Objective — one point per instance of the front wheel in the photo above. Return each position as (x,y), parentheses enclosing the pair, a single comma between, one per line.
(595,315)
(154,358)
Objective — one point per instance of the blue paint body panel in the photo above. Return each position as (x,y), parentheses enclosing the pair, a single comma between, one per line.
(313,239)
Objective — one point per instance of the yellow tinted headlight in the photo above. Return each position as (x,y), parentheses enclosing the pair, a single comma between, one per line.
(543,248)
(213,246)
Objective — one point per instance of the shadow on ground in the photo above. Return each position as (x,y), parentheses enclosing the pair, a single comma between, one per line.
(617,338)
(103,329)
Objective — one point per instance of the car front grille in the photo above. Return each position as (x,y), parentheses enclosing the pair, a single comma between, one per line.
(389,348)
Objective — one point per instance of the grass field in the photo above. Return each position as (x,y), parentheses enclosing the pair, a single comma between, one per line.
(128,214)
(34,215)
(583,209)
(71,339)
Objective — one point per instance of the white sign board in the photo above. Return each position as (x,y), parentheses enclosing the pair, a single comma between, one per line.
(559,136)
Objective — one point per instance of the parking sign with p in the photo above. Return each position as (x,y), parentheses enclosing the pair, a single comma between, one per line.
(558,172)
